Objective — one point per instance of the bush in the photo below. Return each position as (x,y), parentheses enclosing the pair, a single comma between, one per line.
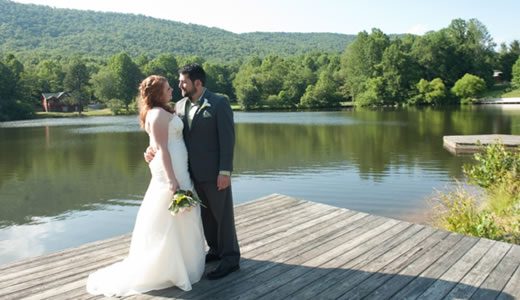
(459,211)
(493,213)
(116,106)
(493,163)
(429,92)
(468,87)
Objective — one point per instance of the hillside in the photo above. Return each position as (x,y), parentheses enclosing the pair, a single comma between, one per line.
(28,29)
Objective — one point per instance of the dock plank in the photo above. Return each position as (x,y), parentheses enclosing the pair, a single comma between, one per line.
(296,249)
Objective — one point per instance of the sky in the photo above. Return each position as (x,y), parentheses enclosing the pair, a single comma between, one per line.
(339,16)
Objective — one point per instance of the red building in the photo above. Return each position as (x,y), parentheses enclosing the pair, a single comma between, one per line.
(55,102)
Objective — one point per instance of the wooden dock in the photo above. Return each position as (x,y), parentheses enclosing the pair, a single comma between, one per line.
(513,100)
(470,143)
(297,249)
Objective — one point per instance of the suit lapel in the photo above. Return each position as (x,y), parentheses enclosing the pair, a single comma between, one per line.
(199,111)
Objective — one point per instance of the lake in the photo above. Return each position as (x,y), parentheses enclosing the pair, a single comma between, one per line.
(66,182)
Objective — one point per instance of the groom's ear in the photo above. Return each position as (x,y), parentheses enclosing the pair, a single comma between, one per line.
(198,83)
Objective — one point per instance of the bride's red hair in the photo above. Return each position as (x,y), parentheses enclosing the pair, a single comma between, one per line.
(150,96)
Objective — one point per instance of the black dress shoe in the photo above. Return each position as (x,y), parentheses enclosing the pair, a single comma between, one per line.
(222,271)
(212,257)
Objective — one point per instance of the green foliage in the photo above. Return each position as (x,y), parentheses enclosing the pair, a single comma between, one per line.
(458,211)
(323,94)
(116,106)
(289,82)
(507,58)
(104,84)
(468,87)
(515,82)
(219,78)
(433,92)
(494,213)
(400,72)
(11,107)
(50,76)
(374,93)
(127,75)
(492,165)
(463,47)
(361,60)
(52,32)
(76,80)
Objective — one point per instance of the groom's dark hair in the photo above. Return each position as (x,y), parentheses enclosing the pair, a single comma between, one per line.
(194,71)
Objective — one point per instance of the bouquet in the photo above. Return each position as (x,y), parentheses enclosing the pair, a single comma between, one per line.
(183,200)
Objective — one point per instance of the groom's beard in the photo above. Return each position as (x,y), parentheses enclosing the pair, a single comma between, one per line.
(189,93)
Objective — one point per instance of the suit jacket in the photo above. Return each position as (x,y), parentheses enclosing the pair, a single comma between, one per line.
(211,139)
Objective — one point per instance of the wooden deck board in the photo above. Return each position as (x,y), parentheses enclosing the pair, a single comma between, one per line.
(297,249)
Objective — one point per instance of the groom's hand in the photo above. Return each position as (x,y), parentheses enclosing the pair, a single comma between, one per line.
(223,182)
(149,154)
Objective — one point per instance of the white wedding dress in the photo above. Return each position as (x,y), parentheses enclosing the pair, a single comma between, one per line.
(165,250)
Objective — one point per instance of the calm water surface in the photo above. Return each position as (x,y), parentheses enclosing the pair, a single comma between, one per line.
(65,182)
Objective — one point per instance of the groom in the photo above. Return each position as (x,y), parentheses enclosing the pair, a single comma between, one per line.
(209,135)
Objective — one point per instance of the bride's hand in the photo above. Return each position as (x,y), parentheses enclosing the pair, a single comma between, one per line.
(173,186)
(149,154)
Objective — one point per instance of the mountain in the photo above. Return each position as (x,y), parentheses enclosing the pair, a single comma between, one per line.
(26,29)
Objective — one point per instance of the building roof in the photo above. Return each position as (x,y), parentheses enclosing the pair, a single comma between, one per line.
(56,96)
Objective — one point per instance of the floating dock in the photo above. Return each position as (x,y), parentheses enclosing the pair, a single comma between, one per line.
(472,143)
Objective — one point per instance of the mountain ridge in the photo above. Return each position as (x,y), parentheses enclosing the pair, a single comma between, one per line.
(30,28)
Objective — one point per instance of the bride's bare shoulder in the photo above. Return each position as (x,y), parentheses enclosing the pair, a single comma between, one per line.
(158,115)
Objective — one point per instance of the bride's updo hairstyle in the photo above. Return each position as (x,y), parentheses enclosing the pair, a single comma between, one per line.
(150,96)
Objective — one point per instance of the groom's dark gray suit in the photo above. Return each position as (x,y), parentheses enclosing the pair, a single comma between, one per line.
(210,141)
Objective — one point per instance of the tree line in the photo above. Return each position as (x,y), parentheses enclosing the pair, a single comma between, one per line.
(448,66)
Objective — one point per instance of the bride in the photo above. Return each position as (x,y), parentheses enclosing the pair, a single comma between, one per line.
(165,250)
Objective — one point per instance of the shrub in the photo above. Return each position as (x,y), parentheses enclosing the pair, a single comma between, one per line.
(492,165)
(116,106)
(494,212)
(468,87)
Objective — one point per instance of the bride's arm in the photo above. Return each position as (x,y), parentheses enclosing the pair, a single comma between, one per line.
(159,122)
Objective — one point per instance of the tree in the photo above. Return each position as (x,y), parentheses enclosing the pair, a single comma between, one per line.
(463,47)
(127,76)
(75,81)
(104,85)
(468,87)
(507,58)
(50,76)
(323,94)
(438,57)
(373,94)
(433,92)
(361,60)
(399,71)
(516,74)
(165,65)
(474,43)
(10,107)
(218,79)
(246,84)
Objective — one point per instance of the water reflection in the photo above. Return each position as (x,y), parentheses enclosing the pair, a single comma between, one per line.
(64,182)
